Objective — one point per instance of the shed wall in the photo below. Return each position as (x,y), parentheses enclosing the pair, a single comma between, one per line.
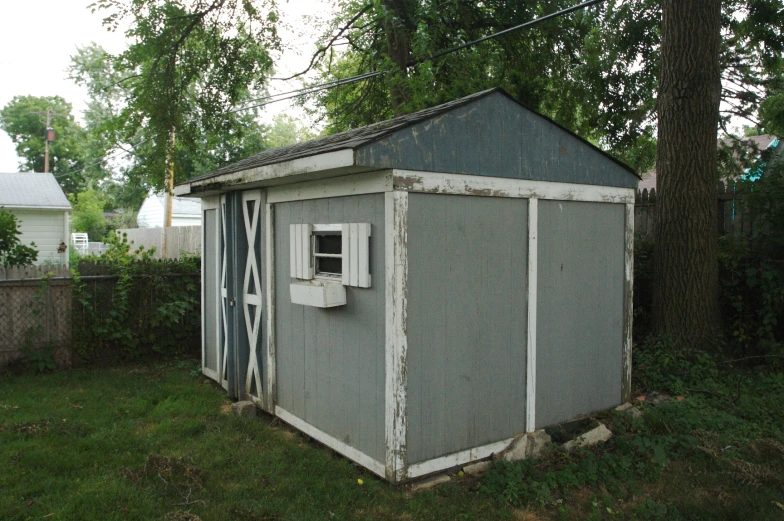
(47,229)
(494,136)
(466,365)
(211,292)
(580,309)
(330,362)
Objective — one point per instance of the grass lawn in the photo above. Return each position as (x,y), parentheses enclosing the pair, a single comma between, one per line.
(156,442)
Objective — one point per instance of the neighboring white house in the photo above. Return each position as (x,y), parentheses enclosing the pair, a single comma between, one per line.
(186,211)
(42,209)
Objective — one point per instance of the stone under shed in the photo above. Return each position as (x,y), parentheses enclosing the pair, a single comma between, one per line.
(416,293)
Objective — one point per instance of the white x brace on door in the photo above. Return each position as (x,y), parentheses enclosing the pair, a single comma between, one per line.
(251,291)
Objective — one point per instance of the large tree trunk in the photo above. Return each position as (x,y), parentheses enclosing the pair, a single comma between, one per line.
(397,24)
(685,293)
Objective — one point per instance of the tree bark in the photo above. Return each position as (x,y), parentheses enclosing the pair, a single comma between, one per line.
(686,286)
(397,24)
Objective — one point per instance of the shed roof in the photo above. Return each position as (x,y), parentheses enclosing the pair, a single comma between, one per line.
(506,125)
(32,190)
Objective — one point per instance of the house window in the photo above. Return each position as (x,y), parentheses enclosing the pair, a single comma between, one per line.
(336,252)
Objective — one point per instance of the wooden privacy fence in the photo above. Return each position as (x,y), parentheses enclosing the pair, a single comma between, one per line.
(730,216)
(35,312)
(180,240)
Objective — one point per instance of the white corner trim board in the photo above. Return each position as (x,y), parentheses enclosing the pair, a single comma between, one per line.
(458,458)
(629,311)
(396,294)
(352,184)
(270,283)
(333,443)
(533,263)
(460,184)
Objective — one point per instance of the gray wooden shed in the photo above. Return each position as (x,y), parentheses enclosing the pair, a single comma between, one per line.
(416,293)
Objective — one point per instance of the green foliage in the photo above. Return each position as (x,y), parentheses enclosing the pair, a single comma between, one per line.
(24,120)
(12,251)
(752,268)
(146,307)
(286,130)
(88,207)
(187,65)
(594,71)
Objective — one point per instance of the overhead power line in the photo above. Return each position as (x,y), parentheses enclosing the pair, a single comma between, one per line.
(274,98)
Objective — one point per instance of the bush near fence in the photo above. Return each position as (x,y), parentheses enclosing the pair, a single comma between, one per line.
(104,311)
(139,309)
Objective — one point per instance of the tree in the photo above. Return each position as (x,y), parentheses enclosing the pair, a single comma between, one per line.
(686,285)
(190,62)
(594,71)
(12,251)
(88,217)
(24,120)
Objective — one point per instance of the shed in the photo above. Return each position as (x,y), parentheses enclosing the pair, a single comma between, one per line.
(42,209)
(416,293)
(185,212)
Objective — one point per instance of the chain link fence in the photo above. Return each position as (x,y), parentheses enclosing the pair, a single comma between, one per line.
(35,313)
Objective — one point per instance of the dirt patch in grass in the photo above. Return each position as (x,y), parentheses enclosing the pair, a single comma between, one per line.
(181,515)
(168,468)
(31,428)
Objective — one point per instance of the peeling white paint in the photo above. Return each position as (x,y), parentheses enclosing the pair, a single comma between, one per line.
(482,186)
(396,274)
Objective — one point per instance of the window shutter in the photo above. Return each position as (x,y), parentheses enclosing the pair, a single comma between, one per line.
(299,248)
(356,255)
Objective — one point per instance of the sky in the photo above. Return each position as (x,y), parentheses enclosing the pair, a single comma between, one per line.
(38,38)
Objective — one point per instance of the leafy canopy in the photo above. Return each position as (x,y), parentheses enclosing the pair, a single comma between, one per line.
(24,120)
(190,62)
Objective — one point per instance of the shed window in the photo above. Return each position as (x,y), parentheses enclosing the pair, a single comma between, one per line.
(327,254)
(338,252)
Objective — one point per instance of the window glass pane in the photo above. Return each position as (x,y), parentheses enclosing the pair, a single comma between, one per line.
(329,243)
(329,265)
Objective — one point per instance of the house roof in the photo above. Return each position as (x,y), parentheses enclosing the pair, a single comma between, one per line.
(360,140)
(183,205)
(32,190)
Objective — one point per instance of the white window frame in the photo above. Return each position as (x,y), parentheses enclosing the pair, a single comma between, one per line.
(354,253)
(326,229)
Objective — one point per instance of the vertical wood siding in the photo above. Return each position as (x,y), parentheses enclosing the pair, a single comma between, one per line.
(494,136)
(466,322)
(211,287)
(330,362)
(46,228)
(580,331)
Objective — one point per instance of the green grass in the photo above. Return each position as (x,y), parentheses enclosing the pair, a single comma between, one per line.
(155,442)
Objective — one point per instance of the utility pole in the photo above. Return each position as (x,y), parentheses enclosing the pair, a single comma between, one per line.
(48,134)
(167,208)
(46,145)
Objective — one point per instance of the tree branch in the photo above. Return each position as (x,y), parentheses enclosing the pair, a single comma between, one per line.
(319,53)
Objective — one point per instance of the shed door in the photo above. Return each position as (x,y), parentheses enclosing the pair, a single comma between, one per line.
(211,331)
(251,290)
(224,297)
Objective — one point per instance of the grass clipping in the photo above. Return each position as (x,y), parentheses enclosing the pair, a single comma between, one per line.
(173,477)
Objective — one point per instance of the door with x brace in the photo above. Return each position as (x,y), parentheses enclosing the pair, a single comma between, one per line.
(252,298)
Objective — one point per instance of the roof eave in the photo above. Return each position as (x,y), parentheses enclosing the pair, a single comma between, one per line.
(267,174)
(30,207)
